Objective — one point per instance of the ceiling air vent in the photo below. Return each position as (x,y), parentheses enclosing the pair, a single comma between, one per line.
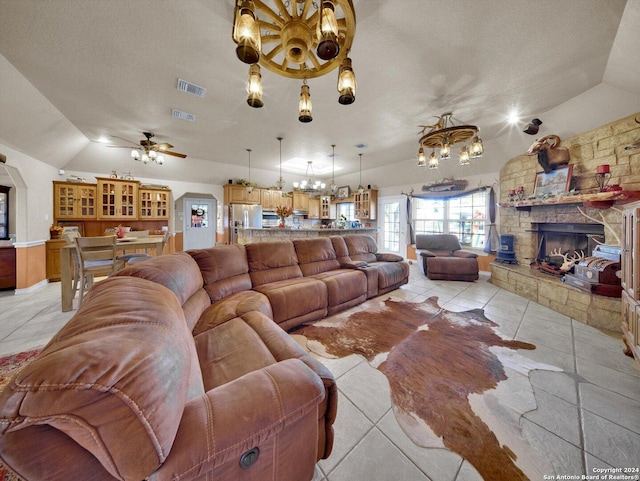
(179,114)
(193,89)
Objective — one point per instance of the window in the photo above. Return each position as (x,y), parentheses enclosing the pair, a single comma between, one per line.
(462,216)
(346,208)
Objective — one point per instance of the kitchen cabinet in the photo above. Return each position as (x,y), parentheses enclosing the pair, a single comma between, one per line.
(314,208)
(238,194)
(366,204)
(631,279)
(327,209)
(300,201)
(117,199)
(154,204)
(53,258)
(272,199)
(74,201)
(7,267)
(4,212)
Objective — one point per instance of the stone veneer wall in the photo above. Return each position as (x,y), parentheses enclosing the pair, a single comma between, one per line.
(604,145)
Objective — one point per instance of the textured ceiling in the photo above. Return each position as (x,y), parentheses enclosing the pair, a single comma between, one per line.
(98,67)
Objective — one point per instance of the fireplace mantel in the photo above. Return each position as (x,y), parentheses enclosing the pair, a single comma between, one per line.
(599,200)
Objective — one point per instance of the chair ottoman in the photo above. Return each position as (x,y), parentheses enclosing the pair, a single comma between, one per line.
(452,268)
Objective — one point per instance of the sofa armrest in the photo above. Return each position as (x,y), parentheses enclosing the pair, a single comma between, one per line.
(425,253)
(220,426)
(353,265)
(465,254)
(389,258)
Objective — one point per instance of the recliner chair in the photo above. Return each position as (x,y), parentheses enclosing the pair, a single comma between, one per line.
(441,257)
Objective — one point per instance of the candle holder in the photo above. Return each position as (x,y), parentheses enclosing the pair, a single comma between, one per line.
(512,195)
(603,175)
(521,193)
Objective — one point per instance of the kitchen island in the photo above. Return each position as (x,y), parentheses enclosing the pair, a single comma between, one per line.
(251,235)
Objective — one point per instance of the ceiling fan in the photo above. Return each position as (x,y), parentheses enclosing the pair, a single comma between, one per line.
(150,149)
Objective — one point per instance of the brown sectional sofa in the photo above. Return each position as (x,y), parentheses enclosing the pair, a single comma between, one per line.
(175,369)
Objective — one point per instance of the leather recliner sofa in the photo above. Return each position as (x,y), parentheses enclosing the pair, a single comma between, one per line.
(441,257)
(177,367)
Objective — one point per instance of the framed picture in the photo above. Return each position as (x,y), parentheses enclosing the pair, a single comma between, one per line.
(555,182)
(343,192)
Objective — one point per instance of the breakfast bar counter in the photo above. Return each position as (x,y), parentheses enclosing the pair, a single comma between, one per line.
(252,235)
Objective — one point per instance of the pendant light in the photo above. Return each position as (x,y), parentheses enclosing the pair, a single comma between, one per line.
(333,185)
(360,188)
(433,160)
(464,156)
(281,183)
(249,185)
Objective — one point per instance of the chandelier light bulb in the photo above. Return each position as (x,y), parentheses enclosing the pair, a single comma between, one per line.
(153,154)
(254,87)
(305,107)
(135,154)
(328,47)
(246,33)
(476,148)
(422,159)
(464,156)
(433,161)
(160,160)
(346,83)
(445,151)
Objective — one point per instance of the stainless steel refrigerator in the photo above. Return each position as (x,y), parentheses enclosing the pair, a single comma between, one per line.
(243,215)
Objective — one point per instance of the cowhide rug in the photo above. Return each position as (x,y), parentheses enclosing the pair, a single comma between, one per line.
(455,381)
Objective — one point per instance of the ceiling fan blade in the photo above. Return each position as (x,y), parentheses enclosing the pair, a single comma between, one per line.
(175,154)
(126,140)
(163,146)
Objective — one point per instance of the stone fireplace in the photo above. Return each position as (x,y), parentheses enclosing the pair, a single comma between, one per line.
(538,229)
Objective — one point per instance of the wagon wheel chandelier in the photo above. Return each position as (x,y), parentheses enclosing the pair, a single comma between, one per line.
(444,134)
(300,39)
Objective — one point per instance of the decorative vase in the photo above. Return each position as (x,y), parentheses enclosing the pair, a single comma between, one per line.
(282,224)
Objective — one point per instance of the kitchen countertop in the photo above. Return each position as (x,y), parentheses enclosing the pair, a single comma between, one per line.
(250,235)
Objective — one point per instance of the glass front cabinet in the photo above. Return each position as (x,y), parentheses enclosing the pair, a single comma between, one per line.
(4,212)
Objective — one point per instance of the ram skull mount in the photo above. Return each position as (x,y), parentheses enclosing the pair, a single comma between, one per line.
(550,154)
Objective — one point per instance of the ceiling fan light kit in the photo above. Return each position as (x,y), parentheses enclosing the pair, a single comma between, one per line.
(443,135)
(298,39)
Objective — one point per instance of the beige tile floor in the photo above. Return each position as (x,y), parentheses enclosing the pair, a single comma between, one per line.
(588,416)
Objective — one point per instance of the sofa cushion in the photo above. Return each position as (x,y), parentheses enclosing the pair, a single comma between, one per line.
(452,268)
(225,270)
(341,249)
(345,288)
(233,306)
(315,255)
(361,247)
(272,262)
(123,365)
(391,274)
(177,272)
(295,301)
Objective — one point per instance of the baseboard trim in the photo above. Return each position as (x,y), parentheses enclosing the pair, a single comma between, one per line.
(30,289)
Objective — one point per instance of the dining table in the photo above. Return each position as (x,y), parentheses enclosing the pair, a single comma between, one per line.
(153,242)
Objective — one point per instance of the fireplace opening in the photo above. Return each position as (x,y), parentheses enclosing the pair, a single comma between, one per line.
(567,238)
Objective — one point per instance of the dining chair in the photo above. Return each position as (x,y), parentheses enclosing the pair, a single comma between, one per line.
(143,257)
(125,258)
(70,238)
(97,257)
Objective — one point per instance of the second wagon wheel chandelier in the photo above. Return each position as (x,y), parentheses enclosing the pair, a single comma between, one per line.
(443,135)
(300,39)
